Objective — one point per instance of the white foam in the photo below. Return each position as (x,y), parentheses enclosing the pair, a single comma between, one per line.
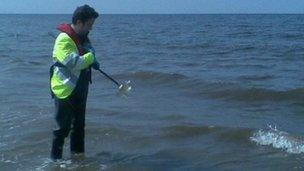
(43,165)
(279,139)
(66,164)
(2,159)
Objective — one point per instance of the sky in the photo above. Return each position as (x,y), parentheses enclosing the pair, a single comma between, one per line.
(153,6)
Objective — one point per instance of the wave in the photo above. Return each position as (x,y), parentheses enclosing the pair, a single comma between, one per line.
(242,33)
(219,90)
(16,35)
(239,135)
(244,48)
(271,136)
(256,77)
(235,65)
(258,94)
(157,77)
(292,36)
(279,139)
(192,47)
(184,131)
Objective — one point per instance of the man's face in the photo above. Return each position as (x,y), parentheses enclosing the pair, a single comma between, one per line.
(86,27)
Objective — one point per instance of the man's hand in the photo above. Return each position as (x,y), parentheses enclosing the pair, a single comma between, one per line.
(89,48)
(96,65)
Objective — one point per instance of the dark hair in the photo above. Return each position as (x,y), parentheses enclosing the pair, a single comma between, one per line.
(84,13)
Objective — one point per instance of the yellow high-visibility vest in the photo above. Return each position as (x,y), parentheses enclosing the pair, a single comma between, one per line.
(65,77)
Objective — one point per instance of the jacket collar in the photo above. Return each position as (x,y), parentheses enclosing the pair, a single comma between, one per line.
(67,28)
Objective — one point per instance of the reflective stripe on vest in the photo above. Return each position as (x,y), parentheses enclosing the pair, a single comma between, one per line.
(74,62)
(65,76)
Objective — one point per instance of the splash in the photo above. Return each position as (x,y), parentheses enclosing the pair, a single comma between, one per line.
(4,160)
(279,139)
(60,164)
(69,164)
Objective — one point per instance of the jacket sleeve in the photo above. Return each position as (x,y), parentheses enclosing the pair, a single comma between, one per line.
(65,52)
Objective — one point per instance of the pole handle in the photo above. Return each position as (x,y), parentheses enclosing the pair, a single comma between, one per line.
(105,74)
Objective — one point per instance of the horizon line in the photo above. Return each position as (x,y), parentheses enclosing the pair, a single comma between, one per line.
(157,13)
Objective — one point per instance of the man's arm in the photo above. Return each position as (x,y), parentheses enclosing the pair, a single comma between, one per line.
(65,52)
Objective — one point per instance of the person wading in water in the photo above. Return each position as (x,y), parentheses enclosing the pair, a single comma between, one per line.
(70,76)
